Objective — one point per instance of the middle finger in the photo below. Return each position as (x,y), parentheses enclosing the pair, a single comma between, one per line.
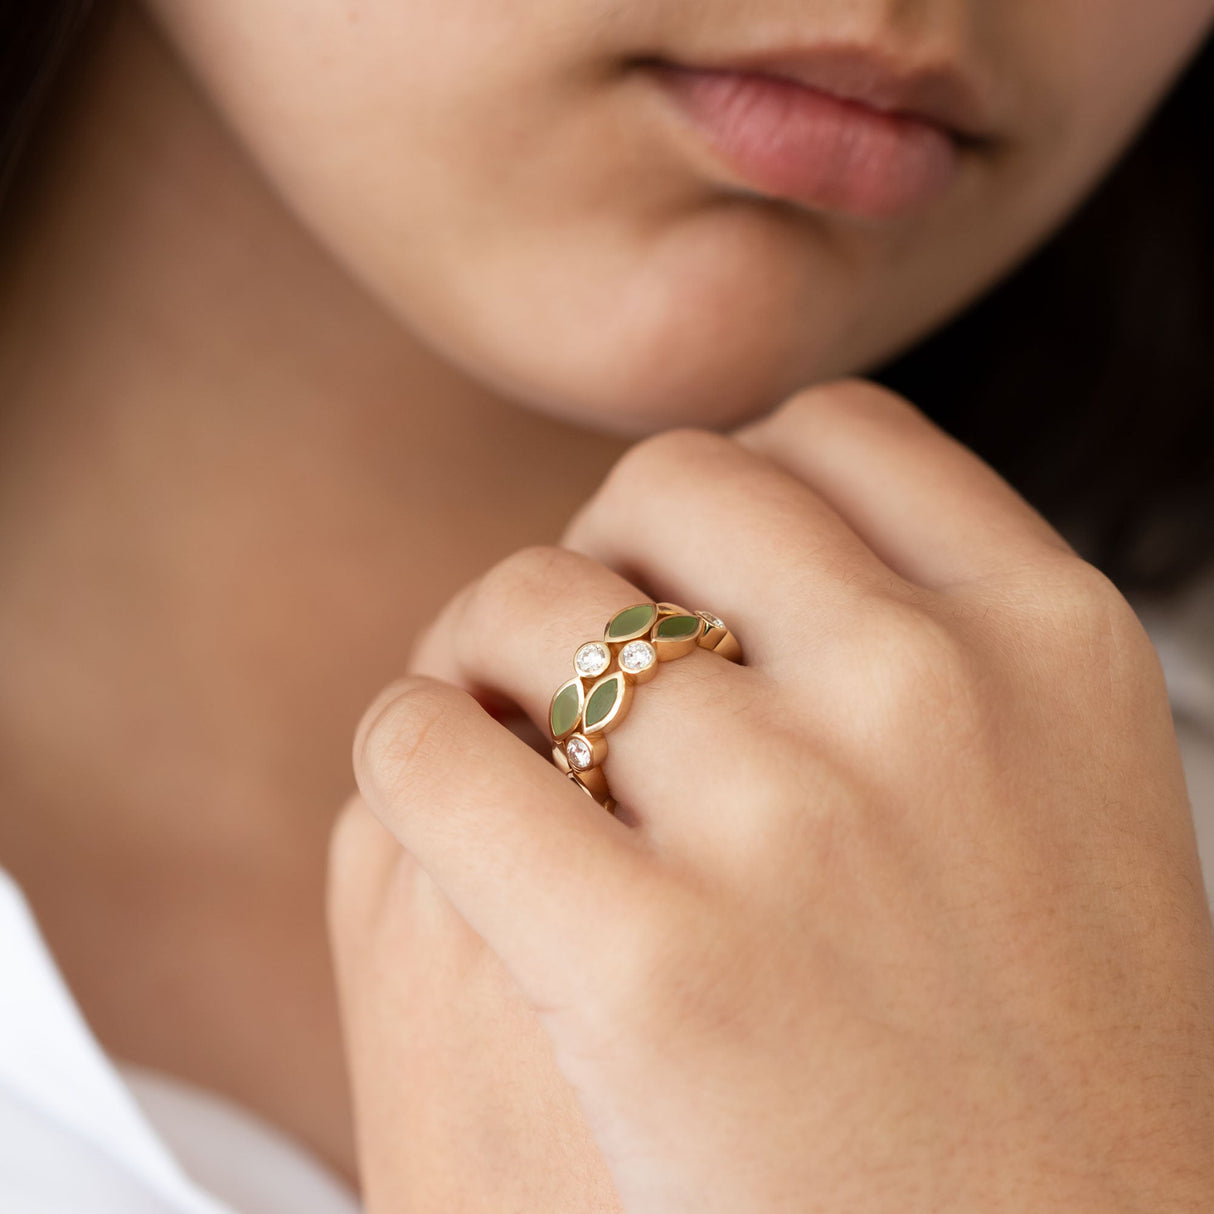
(694,515)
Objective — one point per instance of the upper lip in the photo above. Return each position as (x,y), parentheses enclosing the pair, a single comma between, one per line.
(931,90)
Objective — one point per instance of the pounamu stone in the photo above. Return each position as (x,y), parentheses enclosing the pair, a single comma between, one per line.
(566,708)
(601,701)
(677,628)
(631,622)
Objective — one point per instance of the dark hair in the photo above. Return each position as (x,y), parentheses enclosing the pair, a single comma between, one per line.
(36,38)
(1086,377)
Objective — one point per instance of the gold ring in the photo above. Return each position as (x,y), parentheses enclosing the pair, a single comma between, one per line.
(588,706)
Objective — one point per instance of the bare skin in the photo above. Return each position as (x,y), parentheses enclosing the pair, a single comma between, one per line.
(906,912)
(186,528)
(234,488)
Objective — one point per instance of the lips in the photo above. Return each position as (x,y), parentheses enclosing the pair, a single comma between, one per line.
(837,129)
(933,91)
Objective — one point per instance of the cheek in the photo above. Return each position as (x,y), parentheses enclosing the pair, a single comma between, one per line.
(1101,68)
(359,113)
(499,181)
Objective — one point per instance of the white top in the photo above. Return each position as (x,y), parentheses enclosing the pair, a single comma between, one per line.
(1182,630)
(80,1134)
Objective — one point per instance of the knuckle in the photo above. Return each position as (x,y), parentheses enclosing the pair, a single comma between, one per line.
(523,578)
(853,399)
(655,458)
(1094,610)
(915,664)
(904,630)
(1067,601)
(1087,586)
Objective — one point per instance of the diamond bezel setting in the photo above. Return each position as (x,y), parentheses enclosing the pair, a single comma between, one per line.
(592,659)
(579,753)
(637,656)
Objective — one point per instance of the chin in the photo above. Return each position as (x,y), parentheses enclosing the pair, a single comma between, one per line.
(714,376)
(613,387)
(633,401)
(709,340)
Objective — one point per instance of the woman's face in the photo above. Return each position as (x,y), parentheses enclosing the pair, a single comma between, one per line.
(630,246)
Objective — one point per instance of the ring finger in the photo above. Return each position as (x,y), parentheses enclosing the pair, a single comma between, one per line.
(511,636)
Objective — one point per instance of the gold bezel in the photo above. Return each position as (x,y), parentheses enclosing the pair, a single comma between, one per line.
(598,751)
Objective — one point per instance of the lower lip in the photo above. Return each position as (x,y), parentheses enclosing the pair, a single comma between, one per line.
(788,141)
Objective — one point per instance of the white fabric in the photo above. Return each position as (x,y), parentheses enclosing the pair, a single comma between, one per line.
(80,1135)
(1182,630)
(72,1138)
(252,1165)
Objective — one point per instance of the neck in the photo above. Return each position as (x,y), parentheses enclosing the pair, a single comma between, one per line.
(231,491)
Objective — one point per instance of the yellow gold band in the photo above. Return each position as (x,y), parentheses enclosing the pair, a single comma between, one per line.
(587,707)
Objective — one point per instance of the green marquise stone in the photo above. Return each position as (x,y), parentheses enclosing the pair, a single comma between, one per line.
(677,627)
(566,705)
(631,622)
(601,700)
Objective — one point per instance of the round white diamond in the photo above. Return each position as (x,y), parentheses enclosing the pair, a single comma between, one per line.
(711,620)
(592,659)
(578,752)
(637,656)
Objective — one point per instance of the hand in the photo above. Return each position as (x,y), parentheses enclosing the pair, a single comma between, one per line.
(459,1106)
(906,913)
